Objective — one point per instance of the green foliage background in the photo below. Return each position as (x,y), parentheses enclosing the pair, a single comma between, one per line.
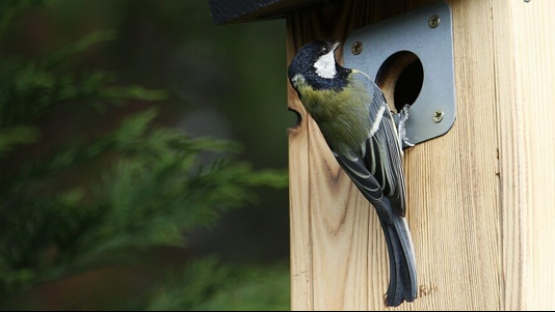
(100,182)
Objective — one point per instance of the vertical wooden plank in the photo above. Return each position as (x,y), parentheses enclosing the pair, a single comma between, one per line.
(512,185)
(527,133)
(535,48)
(301,238)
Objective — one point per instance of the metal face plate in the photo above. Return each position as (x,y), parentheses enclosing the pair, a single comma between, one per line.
(414,32)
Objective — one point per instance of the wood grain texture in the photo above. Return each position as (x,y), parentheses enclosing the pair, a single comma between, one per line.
(300,204)
(481,198)
(525,46)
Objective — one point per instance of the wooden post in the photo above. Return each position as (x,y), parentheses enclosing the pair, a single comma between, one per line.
(481,198)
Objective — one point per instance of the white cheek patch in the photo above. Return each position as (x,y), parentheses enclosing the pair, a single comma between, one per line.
(325,66)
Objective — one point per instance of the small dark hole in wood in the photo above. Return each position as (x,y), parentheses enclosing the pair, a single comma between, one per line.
(298,116)
(401,78)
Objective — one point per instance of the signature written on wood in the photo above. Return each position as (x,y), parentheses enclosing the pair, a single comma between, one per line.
(426,290)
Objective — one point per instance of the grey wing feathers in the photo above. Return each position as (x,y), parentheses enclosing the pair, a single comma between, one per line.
(367,184)
(383,154)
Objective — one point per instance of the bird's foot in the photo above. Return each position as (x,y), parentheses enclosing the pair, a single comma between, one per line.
(403,118)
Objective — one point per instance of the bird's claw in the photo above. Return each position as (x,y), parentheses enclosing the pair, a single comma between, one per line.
(403,118)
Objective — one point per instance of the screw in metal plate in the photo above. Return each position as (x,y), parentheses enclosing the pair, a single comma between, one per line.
(434,21)
(438,116)
(357,48)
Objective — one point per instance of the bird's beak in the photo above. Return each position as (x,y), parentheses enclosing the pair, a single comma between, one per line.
(335,45)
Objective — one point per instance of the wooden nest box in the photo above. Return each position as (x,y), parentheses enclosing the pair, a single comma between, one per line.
(481,197)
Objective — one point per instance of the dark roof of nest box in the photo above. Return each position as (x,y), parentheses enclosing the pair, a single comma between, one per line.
(237,11)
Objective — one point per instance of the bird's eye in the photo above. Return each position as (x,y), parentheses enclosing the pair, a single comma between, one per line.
(324,51)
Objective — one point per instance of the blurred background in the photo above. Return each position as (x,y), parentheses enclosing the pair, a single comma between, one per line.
(143,156)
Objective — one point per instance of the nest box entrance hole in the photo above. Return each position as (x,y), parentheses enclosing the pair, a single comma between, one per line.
(401,78)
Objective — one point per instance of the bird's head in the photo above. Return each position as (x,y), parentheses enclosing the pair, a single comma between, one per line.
(314,63)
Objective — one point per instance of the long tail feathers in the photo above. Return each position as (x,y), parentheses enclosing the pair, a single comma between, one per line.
(403,280)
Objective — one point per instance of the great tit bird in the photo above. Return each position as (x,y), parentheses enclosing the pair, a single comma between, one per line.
(352,114)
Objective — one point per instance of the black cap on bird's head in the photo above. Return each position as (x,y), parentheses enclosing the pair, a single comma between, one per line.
(315,61)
